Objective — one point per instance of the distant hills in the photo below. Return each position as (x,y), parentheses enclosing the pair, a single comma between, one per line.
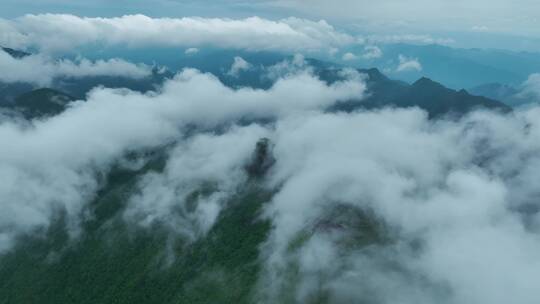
(424,93)
(508,94)
(115,263)
(42,102)
(455,67)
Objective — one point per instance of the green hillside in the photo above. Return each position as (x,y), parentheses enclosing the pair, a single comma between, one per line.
(42,102)
(113,264)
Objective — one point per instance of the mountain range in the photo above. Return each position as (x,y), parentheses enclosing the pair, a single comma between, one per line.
(112,262)
(424,93)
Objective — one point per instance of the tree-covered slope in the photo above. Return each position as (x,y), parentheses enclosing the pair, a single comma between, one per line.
(110,262)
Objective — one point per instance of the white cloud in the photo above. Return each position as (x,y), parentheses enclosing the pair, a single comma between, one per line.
(406,38)
(372,52)
(479,28)
(407,64)
(452,214)
(191,51)
(53,164)
(459,212)
(206,159)
(349,57)
(333,51)
(286,68)
(238,65)
(51,32)
(43,71)
(530,89)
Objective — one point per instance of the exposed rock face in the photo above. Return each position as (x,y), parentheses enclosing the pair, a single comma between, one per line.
(262,159)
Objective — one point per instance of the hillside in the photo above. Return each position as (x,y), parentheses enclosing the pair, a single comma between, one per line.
(425,93)
(41,102)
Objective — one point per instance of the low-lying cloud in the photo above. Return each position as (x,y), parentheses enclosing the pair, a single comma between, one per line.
(41,70)
(457,218)
(206,163)
(407,64)
(54,164)
(372,52)
(378,206)
(239,64)
(530,89)
(349,56)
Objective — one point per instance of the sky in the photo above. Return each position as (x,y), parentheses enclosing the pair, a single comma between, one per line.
(500,24)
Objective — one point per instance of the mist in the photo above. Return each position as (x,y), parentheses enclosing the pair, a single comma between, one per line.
(55,164)
(378,206)
(40,70)
(450,208)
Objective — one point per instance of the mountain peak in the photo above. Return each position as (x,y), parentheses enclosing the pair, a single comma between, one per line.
(374,74)
(424,81)
(427,83)
(42,102)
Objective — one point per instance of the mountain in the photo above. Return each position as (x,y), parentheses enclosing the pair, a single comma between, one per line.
(508,94)
(425,93)
(41,102)
(439,100)
(79,87)
(116,262)
(455,67)
(10,91)
(221,267)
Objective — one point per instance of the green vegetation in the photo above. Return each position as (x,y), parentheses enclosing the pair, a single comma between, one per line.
(109,263)
(42,102)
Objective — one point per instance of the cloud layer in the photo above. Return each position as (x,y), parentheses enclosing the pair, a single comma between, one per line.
(407,64)
(42,71)
(52,32)
(378,206)
(457,219)
(54,164)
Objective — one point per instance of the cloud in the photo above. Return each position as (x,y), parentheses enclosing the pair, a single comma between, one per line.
(291,66)
(238,65)
(54,32)
(368,217)
(349,57)
(42,71)
(55,164)
(388,15)
(333,51)
(479,28)
(191,51)
(406,38)
(206,162)
(372,52)
(359,212)
(407,64)
(530,89)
